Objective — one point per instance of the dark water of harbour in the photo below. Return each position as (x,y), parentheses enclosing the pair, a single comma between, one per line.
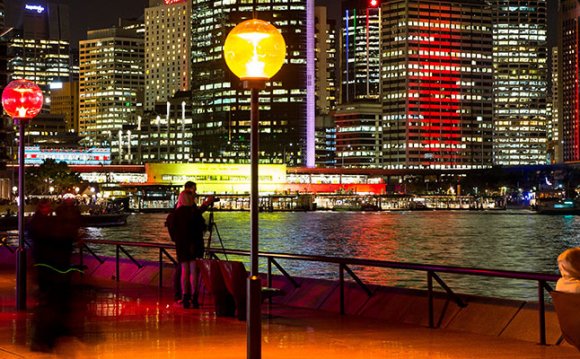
(509,240)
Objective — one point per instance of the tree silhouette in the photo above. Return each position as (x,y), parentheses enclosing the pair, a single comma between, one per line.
(51,173)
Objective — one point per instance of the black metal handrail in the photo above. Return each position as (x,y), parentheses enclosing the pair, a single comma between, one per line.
(343,265)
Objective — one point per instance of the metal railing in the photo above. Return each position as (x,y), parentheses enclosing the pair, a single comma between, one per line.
(344,264)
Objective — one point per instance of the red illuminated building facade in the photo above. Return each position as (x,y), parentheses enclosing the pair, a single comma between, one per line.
(437,84)
(570,32)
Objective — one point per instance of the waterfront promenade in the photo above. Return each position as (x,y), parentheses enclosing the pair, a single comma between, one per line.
(134,321)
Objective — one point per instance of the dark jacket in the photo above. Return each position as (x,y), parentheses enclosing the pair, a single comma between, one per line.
(188,227)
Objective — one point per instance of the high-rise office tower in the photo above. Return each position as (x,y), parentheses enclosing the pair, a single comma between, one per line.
(520,81)
(326,62)
(221,112)
(358,135)
(555,123)
(437,84)
(168,29)
(360,51)
(39,49)
(65,102)
(111,85)
(570,77)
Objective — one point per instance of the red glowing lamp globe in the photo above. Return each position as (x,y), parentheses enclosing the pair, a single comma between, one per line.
(22,99)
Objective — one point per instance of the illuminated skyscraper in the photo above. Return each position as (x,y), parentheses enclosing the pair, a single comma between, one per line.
(436,84)
(168,29)
(221,107)
(111,84)
(570,78)
(555,121)
(65,102)
(360,50)
(39,49)
(520,81)
(326,62)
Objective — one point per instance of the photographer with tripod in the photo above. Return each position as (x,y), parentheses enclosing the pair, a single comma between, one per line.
(187,228)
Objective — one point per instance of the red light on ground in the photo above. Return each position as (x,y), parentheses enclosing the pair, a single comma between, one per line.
(22,99)
(373,3)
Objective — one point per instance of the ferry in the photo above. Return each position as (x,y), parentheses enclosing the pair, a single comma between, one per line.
(565,206)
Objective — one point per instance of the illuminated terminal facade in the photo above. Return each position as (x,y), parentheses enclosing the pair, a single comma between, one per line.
(110,86)
(436,84)
(168,30)
(520,82)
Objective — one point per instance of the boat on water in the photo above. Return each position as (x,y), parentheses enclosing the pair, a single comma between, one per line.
(565,206)
(8,223)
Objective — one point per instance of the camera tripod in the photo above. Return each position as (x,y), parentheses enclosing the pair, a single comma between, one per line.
(211,227)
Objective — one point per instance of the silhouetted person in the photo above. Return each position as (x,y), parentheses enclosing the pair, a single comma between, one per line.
(569,265)
(188,227)
(53,238)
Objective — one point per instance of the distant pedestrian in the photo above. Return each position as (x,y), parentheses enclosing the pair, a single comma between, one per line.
(569,265)
(53,238)
(188,229)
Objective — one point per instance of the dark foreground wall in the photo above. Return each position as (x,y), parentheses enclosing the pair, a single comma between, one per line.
(483,315)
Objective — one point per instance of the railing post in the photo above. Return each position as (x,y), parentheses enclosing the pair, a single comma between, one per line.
(430,298)
(269,273)
(160,269)
(117,269)
(542,311)
(81,258)
(341,282)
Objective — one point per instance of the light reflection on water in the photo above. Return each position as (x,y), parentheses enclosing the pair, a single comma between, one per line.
(519,240)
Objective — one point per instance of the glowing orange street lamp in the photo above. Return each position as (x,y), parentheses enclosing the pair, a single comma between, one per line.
(254,50)
(22,100)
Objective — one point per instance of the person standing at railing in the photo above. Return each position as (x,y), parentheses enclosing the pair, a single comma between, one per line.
(569,265)
(188,226)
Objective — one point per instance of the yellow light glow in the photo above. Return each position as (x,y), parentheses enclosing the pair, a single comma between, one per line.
(254,50)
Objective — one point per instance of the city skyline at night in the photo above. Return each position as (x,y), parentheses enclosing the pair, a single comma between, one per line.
(443,109)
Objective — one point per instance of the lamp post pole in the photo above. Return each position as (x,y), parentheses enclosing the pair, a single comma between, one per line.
(22,100)
(21,251)
(254,50)
(254,312)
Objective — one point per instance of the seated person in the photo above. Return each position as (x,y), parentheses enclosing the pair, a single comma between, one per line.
(569,265)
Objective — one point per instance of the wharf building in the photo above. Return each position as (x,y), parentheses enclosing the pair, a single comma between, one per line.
(38,49)
(520,82)
(437,84)
(111,84)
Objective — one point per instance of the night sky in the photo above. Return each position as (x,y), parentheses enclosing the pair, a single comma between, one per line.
(95,14)
(84,14)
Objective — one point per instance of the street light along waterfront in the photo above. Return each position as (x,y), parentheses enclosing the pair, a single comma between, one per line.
(254,51)
(22,100)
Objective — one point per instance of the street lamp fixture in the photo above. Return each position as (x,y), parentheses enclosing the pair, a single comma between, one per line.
(22,100)
(254,51)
